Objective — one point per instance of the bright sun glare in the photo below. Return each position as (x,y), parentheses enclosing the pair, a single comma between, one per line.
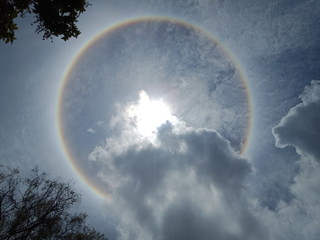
(148,115)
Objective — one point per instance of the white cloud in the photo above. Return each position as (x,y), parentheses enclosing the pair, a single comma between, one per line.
(301,126)
(188,184)
(91,130)
(300,218)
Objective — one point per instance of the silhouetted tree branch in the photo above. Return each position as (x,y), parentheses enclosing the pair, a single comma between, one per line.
(38,208)
(52,17)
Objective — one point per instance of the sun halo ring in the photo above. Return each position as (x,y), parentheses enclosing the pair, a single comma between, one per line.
(59,115)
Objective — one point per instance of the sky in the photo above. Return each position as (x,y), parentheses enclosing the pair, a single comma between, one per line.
(195,119)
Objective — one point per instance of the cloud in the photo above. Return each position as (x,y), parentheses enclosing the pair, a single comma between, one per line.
(300,128)
(189,183)
(186,184)
(300,218)
(96,126)
(91,130)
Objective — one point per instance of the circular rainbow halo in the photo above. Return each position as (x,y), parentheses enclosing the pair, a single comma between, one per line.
(180,73)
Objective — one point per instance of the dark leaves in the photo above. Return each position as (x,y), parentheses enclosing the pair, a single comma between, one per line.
(53,18)
(38,208)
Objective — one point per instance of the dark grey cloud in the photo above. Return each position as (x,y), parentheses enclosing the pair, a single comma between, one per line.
(187,184)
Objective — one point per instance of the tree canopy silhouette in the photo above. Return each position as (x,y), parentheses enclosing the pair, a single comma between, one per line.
(52,17)
(39,208)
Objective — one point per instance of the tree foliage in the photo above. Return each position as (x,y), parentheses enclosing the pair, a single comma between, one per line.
(52,17)
(39,208)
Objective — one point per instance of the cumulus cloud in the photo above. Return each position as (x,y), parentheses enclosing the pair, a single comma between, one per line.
(300,218)
(301,126)
(184,183)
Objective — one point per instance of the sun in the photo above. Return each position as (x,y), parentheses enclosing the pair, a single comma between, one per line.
(147,115)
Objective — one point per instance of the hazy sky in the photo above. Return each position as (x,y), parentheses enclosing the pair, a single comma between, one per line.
(195,119)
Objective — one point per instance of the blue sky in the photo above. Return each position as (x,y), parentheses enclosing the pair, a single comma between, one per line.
(189,180)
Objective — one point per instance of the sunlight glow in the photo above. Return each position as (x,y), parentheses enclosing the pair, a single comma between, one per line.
(147,115)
